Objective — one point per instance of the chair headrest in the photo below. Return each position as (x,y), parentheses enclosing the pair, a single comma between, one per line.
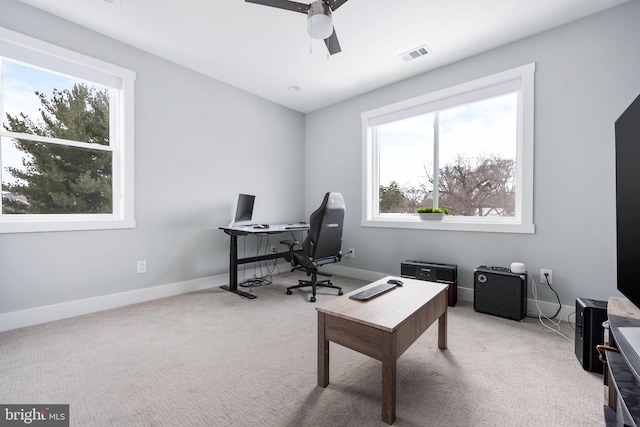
(333,201)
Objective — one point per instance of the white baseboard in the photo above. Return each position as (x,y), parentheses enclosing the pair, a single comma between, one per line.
(49,313)
(354,273)
(567,312)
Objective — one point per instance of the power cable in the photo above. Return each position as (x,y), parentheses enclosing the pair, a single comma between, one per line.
(548,324)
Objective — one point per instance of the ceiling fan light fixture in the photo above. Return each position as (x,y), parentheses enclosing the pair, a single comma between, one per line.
(319,22)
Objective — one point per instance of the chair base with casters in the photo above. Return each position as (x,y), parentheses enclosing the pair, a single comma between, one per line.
(314,283)
(301,263)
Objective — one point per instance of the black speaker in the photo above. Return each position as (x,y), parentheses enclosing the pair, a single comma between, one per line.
(433,272)
(590,314)
(499,292)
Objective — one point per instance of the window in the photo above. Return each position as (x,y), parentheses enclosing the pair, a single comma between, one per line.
(66,141)
(468,149)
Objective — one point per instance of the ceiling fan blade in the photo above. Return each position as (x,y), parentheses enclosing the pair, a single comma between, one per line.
(334,4)
(332,43)
(283,4)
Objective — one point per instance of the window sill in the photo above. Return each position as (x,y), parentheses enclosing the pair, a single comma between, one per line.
(451,224)
(31,225)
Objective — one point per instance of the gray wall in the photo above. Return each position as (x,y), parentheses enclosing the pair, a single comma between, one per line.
(199,143)
(587,73)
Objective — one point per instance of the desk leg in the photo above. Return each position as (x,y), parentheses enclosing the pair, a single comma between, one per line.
(389,378)
(442,328)
(233,264)
(233,269)
(323,353)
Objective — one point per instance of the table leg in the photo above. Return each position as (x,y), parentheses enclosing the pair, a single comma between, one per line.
(442,329)
(323,353)
(389,378)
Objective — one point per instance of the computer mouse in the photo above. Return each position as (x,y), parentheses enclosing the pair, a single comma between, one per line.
(395,282)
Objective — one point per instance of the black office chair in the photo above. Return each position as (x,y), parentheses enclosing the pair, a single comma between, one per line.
(322,245)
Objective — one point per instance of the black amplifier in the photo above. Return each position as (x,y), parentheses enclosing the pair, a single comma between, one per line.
(498,291)
(433,272)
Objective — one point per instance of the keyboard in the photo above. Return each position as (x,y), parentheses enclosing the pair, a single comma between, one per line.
(372,292)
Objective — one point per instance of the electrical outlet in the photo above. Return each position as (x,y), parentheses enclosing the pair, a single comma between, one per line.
(141,266)
(351,253)
(546,276)
(273,249)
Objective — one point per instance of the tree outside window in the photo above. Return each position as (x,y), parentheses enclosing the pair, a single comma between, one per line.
(60,172)
(467,148)
(462,158)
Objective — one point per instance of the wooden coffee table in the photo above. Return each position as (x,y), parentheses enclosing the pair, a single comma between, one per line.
(382,328)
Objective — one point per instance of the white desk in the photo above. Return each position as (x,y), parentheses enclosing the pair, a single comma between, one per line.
(245,230)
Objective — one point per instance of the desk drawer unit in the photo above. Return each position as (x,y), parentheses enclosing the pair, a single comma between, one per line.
(433,272)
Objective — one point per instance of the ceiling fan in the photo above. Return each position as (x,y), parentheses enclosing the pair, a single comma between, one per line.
(319,23)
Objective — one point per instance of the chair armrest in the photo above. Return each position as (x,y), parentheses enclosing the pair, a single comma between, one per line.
(290,243)
(290,257)
(328,260)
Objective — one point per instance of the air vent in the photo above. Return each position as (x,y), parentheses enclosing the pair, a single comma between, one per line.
(415,53)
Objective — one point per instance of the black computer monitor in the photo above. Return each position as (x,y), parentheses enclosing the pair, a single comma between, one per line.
(244,209)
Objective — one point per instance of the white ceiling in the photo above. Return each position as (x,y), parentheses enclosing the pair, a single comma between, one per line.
(265,50)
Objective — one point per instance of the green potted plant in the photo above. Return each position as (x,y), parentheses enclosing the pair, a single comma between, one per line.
(432,214)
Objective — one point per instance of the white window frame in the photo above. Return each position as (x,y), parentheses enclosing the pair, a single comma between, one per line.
(21,48)
(522,222)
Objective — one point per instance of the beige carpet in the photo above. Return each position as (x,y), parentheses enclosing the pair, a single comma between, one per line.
(211,358)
